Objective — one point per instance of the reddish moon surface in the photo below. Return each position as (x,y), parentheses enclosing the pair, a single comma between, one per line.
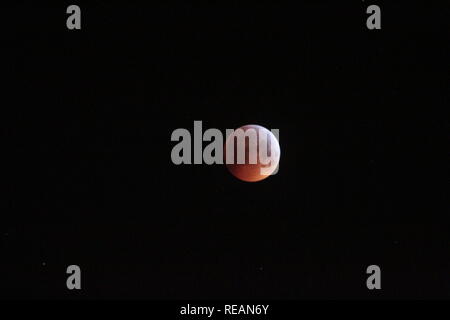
(267,162)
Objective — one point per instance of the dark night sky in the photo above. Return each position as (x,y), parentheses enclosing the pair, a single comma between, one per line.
(88,178)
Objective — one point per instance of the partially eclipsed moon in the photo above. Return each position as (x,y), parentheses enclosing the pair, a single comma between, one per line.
(267,158)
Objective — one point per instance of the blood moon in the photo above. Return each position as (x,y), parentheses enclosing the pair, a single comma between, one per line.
(267,159)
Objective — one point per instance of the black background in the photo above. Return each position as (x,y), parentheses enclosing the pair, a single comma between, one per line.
(88,178)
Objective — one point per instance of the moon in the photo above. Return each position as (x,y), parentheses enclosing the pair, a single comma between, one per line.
(267,159)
